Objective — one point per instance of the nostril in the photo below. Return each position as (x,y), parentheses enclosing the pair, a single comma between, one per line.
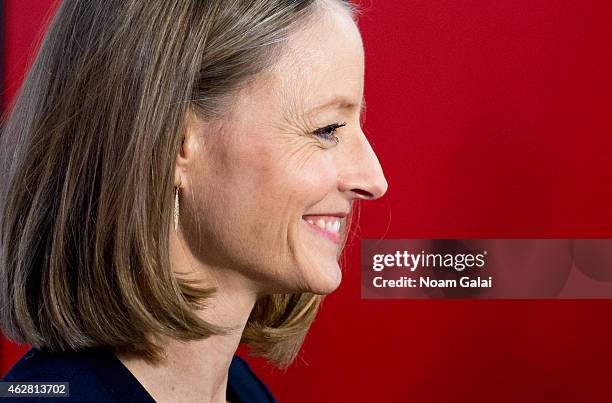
(363,194)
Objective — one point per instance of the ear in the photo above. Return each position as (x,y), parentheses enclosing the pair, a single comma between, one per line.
(189,148)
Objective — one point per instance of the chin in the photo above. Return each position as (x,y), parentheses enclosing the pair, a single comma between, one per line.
(324,283)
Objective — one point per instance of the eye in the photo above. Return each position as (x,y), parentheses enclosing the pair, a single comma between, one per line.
(327,132)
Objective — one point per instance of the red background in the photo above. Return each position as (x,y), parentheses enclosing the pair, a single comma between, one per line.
(491,120)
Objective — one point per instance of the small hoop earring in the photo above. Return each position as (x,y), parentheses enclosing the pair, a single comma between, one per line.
(176,208)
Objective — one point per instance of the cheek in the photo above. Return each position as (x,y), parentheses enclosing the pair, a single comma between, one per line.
(282,188)
(316,179)
(298,180)
(284,171)
(250,208)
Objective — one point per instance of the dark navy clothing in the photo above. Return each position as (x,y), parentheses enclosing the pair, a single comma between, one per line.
(97,375)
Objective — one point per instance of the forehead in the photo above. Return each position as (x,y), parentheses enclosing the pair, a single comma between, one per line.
(320,65)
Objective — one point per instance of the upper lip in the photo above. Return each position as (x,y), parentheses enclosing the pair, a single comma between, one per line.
(339,215)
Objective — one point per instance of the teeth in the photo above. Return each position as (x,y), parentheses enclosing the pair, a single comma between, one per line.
(332,225)
(336,226)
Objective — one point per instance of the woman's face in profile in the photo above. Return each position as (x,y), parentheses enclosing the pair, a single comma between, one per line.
(269,192)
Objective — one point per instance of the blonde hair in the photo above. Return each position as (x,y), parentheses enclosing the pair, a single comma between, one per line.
(88,156)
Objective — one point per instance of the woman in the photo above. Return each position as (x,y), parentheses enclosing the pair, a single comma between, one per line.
(180,177)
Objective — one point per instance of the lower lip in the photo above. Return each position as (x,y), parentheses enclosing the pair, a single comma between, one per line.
(332,236)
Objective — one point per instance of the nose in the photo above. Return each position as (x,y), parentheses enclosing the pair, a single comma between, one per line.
(361,175)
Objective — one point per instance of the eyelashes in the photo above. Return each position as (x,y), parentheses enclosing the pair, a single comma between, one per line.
(327,133)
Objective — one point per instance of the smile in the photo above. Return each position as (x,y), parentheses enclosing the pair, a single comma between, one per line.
(326,226)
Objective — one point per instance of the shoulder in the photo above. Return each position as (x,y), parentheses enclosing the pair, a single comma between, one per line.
(93,375)
(244,385)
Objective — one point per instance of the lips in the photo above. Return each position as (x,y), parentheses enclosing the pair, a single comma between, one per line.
(328,225)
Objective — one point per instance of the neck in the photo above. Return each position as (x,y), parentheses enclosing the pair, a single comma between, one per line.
(198,370)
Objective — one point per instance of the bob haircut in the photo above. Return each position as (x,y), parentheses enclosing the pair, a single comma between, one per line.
(87,171)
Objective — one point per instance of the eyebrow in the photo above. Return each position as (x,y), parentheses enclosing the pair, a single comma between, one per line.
(338,103)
